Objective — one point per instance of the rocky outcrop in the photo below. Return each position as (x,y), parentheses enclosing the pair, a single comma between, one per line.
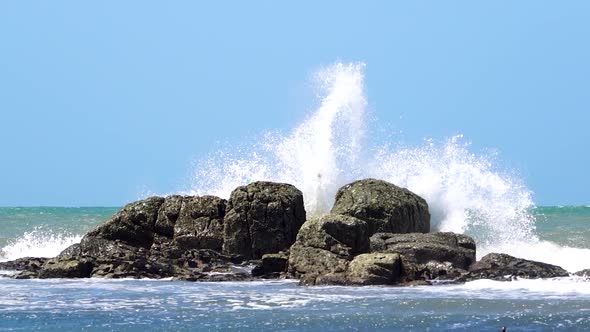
(272,265)
(384,206)
(375,269)
(200,223)
(184,237)
(326,245)
(429,256)
(505,267)
(262,217)
(376,234)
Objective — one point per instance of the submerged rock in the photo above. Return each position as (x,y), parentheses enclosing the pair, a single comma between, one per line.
(262,218)
(384,206)
(505,267)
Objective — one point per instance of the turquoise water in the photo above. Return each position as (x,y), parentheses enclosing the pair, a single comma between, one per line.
(149,305)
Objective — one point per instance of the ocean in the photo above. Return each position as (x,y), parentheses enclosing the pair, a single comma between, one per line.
(468,192)
(150,305)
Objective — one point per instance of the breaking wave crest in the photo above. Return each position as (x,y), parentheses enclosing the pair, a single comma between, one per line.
(467,192)
(39,242)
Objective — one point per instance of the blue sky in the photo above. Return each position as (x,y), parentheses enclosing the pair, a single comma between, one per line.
(102,100)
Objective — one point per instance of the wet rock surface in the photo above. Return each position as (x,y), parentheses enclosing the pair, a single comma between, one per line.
(376,234)
(262,217)
(384,206)
(442,256)
(505,267)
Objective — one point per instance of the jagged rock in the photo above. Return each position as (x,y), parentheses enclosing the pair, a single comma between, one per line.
(168,215)
(66,269)
(271,264)
(428,256)
(505,267)
(133,225)
(262,217)
(343,235)
(24,264)
(200,223)
(583,273)
(326,245)
(374,269)
(384,206)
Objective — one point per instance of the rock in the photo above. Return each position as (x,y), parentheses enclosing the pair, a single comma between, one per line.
(374,269)
(583,273)
(32,264)
(200,223)
(168,215)
(505,267)
(428,256)
(384,206)
(66,269)
(133,225)
(271,264)
(326,245)
(314,261)
(262,218)
(343,235)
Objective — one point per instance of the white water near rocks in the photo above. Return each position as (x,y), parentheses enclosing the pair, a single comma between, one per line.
(38,243)
(467,192)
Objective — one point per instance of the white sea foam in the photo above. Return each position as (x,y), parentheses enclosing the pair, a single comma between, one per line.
(467,192)
(38,243)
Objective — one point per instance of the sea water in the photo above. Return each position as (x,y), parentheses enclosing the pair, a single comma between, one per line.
(468,192)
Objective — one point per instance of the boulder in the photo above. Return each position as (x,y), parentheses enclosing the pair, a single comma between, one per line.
(32,264)
(133,225)
(428,256)
(199,224)
(374,269)
(272,264)
(324,247)
(505,267)
(384,206)
(66,269)
(262,218)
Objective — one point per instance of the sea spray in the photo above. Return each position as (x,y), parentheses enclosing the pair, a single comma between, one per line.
(467,192)
(39,242)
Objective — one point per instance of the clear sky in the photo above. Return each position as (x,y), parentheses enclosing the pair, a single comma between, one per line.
(100,100)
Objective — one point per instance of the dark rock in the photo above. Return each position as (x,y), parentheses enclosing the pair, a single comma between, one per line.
(583,273)
(24,264)
(271,264)
(374,269)
(70,252)
(428,256)
(505,267)
(262,218)
(200,223)
(66,269)
(384,206)
(343,235)
(133,225)
(168,215)
(326,245)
